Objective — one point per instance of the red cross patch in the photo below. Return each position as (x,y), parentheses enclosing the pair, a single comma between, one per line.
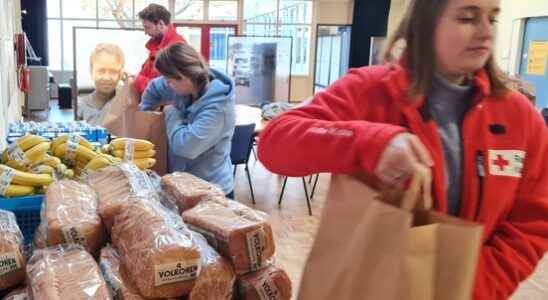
(506,162)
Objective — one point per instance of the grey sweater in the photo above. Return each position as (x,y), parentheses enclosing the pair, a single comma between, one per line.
(448,104)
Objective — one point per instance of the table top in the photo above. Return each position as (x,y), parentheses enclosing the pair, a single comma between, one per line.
(246,114)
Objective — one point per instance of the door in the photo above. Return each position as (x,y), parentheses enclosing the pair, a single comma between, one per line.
(534,58)
(332,54)
(210,40)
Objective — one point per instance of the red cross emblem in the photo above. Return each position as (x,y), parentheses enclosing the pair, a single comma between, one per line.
(501,162)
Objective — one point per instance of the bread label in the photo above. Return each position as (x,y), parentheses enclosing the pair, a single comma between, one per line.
(110,279)
(255,247)
(16,153)
(129,150)
(177,272)
(9,263)
(266,289)
(72,235)
(5,180)
(139,182)
(210,237)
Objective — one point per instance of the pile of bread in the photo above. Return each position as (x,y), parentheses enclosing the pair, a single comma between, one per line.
(122,235)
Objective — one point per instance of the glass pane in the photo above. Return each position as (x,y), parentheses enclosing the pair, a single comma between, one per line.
(223,10)
(189,10)
(54,43)
(141,4)
(218,46)
(294,11)
(115,9)
(53,8)
(301,47)
(260,29)
(260,11)
(323,76)
(83,9)
(68,58)
(335,59)
(193,35)
(126,24)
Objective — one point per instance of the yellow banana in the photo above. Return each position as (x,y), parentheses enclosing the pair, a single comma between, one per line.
(98,163)
(42,169)
(63,139)
(51,161)
(81,151)
(26,142)
(13,164)
(136,154)
(140,145)
(25,178)
(38,153)
(15,190)
(144,163)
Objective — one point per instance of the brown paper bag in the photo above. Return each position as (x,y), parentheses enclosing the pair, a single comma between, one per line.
(368,249)
(124,120)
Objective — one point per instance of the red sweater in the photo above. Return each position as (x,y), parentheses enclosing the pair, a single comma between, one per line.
(148,72)
(346,128)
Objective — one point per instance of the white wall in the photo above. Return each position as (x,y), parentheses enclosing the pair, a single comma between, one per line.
(11,99)
(508,42)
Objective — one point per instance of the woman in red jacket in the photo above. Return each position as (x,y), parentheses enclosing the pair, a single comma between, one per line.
(444,105)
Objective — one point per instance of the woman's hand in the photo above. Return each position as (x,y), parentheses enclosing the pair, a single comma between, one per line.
(399,160)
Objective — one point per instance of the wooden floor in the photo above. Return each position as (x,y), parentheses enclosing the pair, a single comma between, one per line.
(294,229)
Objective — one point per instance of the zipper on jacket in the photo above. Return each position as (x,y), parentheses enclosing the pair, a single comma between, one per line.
(481,175)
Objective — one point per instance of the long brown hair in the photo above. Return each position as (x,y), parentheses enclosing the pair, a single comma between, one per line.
(180,59)
(417,30)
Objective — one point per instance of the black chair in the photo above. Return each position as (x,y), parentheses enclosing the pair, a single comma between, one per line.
(306,195)
(242,143)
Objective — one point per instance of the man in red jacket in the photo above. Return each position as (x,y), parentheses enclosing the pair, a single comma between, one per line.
(156,22)
(444,105)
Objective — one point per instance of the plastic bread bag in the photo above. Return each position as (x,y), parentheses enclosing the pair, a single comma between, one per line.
(115,185)
(156,249)
(187,190)
(216,280)
(238,232)
(269,283)
(12,259)
(69,215)
(65,272)
(18,294)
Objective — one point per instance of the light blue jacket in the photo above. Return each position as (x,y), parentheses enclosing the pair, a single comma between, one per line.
(200,133)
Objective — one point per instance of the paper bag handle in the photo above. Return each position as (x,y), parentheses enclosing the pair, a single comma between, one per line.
(418,195)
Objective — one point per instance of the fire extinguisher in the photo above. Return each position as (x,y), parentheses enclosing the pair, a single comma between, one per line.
(24,79)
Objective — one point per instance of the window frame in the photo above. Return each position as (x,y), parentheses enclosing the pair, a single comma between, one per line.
(134,21)
(306,72)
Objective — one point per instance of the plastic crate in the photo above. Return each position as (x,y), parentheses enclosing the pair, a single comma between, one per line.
(27,212)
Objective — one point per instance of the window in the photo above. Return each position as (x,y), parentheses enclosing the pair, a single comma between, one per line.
(223,10)
(283,18)
(63,15)
(189,10)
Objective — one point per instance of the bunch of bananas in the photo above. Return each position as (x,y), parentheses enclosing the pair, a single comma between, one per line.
(21,183)
(26,152)
(75,151)
(140,152)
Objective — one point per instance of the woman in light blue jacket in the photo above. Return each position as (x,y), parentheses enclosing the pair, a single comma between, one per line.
(199,115)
